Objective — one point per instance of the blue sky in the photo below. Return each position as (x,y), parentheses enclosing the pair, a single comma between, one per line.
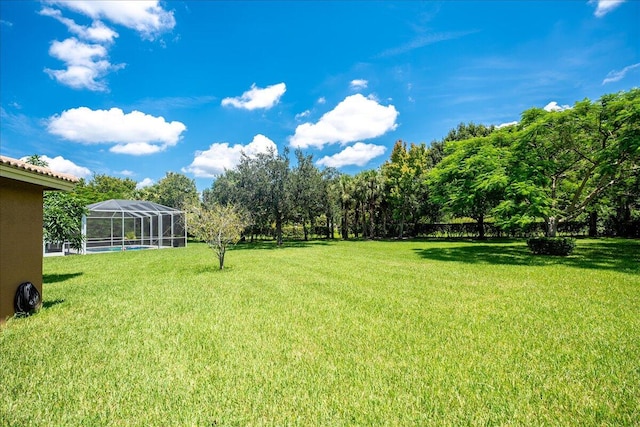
(137,89)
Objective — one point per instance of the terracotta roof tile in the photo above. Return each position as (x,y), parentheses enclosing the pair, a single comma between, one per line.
(19,164)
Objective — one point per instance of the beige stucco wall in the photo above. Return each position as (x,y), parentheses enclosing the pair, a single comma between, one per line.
(20,240)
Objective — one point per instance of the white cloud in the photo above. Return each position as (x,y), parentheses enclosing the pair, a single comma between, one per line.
(605,6)
(60,164)
(137,148)
(553,106)
(257,97)
(97,32)
(148,18)
(615,76)
(359,154)
(86,64)
(354,119)
(302,115)
(504,125)
(322,100)
(134,133)
(72,51)
(147,182)
(222,156)
(358,84)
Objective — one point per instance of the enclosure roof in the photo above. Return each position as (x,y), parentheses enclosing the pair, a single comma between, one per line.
(131,206)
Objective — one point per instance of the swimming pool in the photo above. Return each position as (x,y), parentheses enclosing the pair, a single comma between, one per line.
(103,249)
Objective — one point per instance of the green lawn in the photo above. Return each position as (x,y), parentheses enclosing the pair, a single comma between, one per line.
(331,333)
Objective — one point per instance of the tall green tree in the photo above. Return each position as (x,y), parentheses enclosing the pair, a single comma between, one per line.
(373,192)
(435,152)
(306,189)
(404,177)
(263,186)
(174,190)
(223,190)
(62,213)
(399,183)
(470,181)
(563,162)
(345,190)
(330,199)
(467,131)
(359,195)
(104,187)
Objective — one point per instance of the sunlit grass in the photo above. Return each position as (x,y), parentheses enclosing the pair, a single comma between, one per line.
(331,333)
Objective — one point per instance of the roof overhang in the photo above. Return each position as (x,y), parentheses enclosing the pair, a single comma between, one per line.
(44,177)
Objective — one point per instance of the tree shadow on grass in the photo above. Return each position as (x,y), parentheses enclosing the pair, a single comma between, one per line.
(620,255)
(210,268)
(51,303)
(56,278)
(272,245)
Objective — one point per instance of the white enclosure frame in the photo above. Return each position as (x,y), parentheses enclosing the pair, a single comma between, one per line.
(128,223)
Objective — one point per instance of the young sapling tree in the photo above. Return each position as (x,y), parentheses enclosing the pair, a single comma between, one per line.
(219,226)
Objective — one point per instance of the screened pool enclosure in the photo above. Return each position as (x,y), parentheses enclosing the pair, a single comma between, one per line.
(115,225)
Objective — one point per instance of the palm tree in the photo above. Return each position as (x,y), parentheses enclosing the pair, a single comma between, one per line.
(359,197)
(37,160)
(373,180)
(331,198)
(345,187)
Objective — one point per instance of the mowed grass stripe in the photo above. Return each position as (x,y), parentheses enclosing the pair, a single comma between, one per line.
(335,333)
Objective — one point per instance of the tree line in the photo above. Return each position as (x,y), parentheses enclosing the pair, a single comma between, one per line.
(581,164)
(552,167)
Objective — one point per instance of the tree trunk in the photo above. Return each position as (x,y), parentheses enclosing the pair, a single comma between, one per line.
(356,220)
(415,225)
(401,231)
(312,226)
(552,226)
(593,224)
(552,222)
(345,225)
(372,225)
(279,231)
(384,224)
(365,231)
(622,218)
(328,227)
(221,257)
(481,227)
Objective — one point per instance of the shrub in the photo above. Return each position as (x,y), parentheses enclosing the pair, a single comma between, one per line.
(561,246)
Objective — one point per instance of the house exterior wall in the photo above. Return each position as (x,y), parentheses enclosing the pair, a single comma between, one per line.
(20,240)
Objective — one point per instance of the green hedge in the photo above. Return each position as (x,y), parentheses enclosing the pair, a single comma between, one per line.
(561,246)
